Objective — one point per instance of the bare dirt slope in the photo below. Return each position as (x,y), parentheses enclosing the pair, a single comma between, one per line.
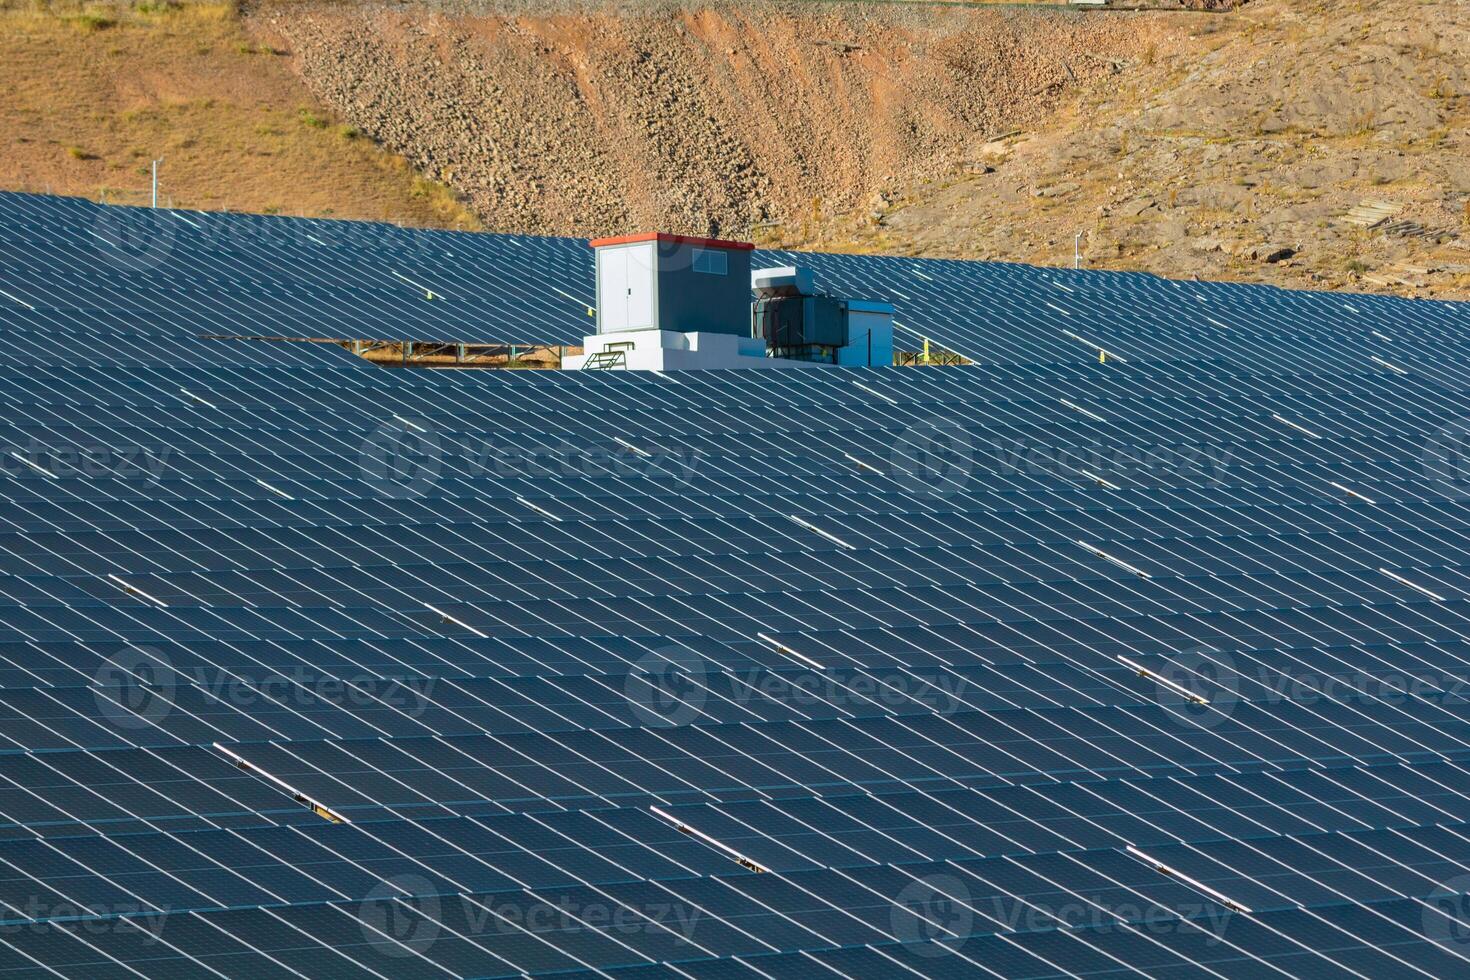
(1255,138)
(1306,142)
(91,93)
(714,117)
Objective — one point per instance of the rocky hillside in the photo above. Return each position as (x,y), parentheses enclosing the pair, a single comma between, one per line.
(716,117)
(1305,142)
(1315,143)
(1323,143)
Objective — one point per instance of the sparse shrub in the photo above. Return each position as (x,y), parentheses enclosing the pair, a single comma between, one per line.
(311,119)
(349,133)
(93,22)
(77,153)
(1355,266)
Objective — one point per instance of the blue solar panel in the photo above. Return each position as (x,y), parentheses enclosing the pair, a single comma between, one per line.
(1050,665)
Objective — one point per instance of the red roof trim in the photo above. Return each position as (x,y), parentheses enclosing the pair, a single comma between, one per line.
(658,236)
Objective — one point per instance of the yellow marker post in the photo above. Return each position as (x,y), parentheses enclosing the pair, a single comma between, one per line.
(1102,356)
(926,350)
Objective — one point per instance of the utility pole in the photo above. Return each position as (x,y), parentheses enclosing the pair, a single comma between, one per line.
(155,180)
(1077,251)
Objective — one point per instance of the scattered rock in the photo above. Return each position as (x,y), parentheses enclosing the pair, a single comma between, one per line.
(584,120)
(1266,132)
(1057,190)
(994,150)
(1272,254)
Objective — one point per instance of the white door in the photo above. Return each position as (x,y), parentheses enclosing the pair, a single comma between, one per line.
(612,289)
(625,279)
(640,278)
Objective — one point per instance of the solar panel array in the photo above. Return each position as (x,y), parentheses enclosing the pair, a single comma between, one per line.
(1053,665)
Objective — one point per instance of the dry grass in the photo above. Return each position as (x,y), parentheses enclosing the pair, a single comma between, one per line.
(91,92)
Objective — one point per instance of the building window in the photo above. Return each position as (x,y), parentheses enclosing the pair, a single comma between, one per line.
(713,263)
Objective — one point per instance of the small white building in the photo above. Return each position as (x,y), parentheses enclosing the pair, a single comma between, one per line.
(680,303)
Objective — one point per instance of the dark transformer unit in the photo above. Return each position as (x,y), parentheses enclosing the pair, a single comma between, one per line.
(798,323)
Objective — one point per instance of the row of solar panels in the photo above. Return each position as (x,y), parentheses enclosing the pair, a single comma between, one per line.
(171,272)
(1043,716)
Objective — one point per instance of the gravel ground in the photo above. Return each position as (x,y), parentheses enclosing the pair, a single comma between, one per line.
(580,118)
